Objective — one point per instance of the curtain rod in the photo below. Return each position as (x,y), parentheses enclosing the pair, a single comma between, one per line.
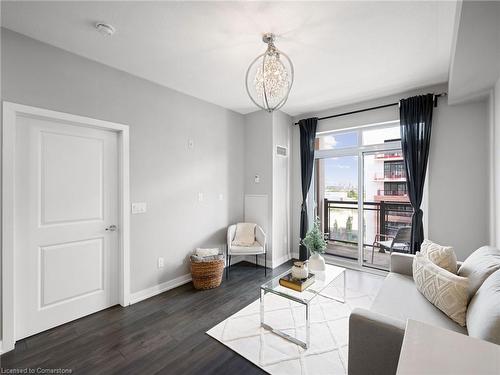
(370,109)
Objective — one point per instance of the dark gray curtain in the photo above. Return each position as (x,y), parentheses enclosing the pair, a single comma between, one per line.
(307,139)
(416,122)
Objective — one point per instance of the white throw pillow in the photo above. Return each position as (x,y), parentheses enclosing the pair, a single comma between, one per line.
(445,290)
(245,234)
(442,256)
(479,266)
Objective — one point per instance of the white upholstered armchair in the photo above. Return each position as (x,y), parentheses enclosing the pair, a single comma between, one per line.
(257,248)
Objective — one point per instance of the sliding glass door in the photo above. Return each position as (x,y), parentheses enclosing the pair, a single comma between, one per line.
(337,199)
(360,194)
(386,208)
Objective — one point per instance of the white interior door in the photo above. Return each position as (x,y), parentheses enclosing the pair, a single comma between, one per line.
(66,200)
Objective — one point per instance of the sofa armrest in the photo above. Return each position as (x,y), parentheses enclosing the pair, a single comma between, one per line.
(374,343)
(402,263)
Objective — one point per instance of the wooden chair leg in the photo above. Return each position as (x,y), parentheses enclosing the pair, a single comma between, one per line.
(256,264)
(228,266)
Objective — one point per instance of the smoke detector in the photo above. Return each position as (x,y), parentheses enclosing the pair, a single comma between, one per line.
(105,28)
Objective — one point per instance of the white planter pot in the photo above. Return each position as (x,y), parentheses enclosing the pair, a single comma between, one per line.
(316,263)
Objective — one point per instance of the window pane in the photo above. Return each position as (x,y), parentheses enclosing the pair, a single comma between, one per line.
(381,135)
(386,207)
(337,199)
(330,141)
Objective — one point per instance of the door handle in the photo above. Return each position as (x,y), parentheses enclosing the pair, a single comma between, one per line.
(111,228)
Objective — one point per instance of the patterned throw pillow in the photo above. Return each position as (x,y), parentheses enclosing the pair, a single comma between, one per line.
(442,256)
(445,290)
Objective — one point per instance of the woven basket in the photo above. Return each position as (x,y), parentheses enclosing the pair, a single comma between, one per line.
(207,275)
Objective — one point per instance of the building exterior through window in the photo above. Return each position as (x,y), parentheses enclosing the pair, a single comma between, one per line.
(362,171)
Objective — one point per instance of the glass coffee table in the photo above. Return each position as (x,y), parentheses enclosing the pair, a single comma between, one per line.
(322,281)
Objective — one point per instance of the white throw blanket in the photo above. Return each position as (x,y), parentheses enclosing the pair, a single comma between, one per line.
(206,252)
(245,234)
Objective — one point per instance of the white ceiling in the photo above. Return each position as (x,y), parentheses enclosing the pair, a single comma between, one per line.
(343,52)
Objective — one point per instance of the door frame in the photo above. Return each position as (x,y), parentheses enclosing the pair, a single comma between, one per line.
(11,111)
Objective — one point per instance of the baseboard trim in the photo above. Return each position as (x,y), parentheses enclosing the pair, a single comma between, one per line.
(160,288)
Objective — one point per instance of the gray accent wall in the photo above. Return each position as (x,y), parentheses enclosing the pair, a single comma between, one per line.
(164,172)
(458,174)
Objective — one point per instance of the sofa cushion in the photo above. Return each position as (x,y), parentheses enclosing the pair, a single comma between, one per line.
(483,314)
(400,299)
(246,250)
(478,266)
(442,256)
(445,290)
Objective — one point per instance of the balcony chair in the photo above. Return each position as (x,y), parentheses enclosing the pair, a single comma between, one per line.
(257,248)
(398,243)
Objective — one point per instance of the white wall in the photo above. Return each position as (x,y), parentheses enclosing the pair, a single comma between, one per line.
(258,152)
(258,155)
(474,73)
(459,177)
(496,163)
(164,172)
(263,131)
(281,188)
(475,60)
(470,77)
(458,167)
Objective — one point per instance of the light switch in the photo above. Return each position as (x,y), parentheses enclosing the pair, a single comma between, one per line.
(221,197)
(257,179)
(200,197)
(138,207)
(190,144)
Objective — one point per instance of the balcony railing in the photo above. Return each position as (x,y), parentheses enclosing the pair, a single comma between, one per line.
(388,176)
(340,220)
(391,193)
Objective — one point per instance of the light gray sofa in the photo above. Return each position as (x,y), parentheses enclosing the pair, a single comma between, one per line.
(376,335)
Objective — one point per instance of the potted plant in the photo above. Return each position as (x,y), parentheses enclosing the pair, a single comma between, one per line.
(316,244)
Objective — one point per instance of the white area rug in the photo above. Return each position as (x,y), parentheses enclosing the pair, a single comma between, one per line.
(329,329)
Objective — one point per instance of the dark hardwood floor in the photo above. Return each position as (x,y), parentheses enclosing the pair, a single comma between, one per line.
(164,334)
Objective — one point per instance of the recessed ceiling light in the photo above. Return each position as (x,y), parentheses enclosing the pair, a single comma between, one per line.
(105,28)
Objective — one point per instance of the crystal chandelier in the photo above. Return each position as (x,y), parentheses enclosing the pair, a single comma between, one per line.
(269,77)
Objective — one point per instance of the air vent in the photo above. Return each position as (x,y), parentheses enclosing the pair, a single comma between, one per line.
(281,151)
